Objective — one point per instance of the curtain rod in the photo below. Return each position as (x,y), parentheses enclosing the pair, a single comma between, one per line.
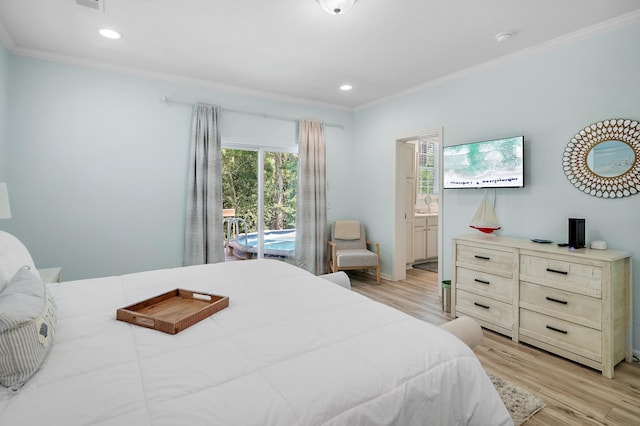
(167,100)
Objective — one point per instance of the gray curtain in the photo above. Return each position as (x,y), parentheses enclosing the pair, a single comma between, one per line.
(311,215)
(204,233)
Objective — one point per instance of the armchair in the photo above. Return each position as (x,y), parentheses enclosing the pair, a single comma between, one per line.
(348,248)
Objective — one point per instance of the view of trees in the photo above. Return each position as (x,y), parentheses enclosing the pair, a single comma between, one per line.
(427,171)
(240,187)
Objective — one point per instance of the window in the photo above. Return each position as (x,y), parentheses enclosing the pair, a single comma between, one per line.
(427,180)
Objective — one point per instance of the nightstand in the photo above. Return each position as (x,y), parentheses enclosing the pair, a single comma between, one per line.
(50,275)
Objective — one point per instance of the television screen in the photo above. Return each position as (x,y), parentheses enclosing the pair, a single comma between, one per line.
(489,164)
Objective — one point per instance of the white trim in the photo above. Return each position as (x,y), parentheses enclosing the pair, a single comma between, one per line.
(251,146)
(398,241)
(260,206)
(171,78)
(600,28)
(585,33)
(294,120)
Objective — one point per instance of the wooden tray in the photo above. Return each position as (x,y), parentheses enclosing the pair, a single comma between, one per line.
(173,311)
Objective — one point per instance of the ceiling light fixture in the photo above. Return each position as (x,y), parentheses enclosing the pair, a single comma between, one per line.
(346,87)
(336,7)
(105,32)
(504,37)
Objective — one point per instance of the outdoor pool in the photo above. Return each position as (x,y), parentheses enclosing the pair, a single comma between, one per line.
(279,244)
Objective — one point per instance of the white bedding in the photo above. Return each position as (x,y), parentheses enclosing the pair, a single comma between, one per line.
(291,349)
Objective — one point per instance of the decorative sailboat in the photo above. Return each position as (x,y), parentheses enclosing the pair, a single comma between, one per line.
(485,219)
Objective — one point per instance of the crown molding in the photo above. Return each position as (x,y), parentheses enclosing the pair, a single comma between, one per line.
(6,39)
(576,36)
(170,78)
(597,29)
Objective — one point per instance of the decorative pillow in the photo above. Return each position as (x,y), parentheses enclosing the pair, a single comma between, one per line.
(13,256)
(27,323)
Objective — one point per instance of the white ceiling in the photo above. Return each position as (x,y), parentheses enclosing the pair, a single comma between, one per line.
(292,48)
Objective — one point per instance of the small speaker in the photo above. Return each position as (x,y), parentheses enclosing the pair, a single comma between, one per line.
(576,233)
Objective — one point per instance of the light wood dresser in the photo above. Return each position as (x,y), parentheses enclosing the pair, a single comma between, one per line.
(574,303)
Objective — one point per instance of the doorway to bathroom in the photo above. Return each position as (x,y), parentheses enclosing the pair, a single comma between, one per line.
(418,202)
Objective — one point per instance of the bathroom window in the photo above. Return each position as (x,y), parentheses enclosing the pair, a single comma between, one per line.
(427,181)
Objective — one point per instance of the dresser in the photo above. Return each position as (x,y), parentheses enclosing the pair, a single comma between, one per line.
(574,303)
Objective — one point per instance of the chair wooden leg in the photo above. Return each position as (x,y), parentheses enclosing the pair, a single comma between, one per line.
(334,260)
(378,274)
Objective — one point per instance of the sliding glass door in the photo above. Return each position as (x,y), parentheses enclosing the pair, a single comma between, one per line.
(259,202)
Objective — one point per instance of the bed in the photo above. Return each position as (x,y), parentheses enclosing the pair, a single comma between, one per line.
(291,349)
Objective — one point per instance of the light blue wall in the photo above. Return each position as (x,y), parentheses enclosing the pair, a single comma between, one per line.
(99,164)
(547,97)
(4,101)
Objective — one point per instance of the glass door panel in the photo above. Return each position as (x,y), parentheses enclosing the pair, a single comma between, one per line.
(240,202)
(259,203)
(280,178)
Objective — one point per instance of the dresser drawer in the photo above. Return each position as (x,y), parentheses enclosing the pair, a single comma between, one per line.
(486,284)
(485,259)
(561,274)
(577,308)
(574,338)
(485,308)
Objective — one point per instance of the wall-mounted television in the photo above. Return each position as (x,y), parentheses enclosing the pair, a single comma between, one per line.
(497,163)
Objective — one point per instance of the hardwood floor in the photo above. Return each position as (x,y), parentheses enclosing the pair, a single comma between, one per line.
(573,394)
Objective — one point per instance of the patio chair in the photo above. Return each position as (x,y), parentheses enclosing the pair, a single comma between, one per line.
(348,248)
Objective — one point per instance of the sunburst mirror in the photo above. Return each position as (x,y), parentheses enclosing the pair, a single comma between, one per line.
(603,159)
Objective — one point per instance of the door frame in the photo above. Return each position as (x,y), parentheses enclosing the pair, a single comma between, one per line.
(399,255)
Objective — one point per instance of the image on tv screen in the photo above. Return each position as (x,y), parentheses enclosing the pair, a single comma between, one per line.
(489,164)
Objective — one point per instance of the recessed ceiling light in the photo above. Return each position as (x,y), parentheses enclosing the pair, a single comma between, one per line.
(105,32)
(346,87)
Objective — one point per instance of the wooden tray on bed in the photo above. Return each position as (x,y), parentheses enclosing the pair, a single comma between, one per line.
(173,311)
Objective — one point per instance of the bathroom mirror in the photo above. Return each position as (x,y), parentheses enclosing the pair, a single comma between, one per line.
(603,159)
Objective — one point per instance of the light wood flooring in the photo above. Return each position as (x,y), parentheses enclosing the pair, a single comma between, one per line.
(573,394)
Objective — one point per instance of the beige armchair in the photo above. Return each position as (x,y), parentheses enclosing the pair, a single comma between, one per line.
(348,248)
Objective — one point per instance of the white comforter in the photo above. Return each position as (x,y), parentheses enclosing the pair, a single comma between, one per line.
(291,349)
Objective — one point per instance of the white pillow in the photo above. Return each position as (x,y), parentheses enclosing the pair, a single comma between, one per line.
(13,256)
(27,325)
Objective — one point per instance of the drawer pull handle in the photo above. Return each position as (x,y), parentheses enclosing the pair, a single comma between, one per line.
(557,329)
(551,299)
(482,257)
(481,281)
(481,305)
(556,271)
